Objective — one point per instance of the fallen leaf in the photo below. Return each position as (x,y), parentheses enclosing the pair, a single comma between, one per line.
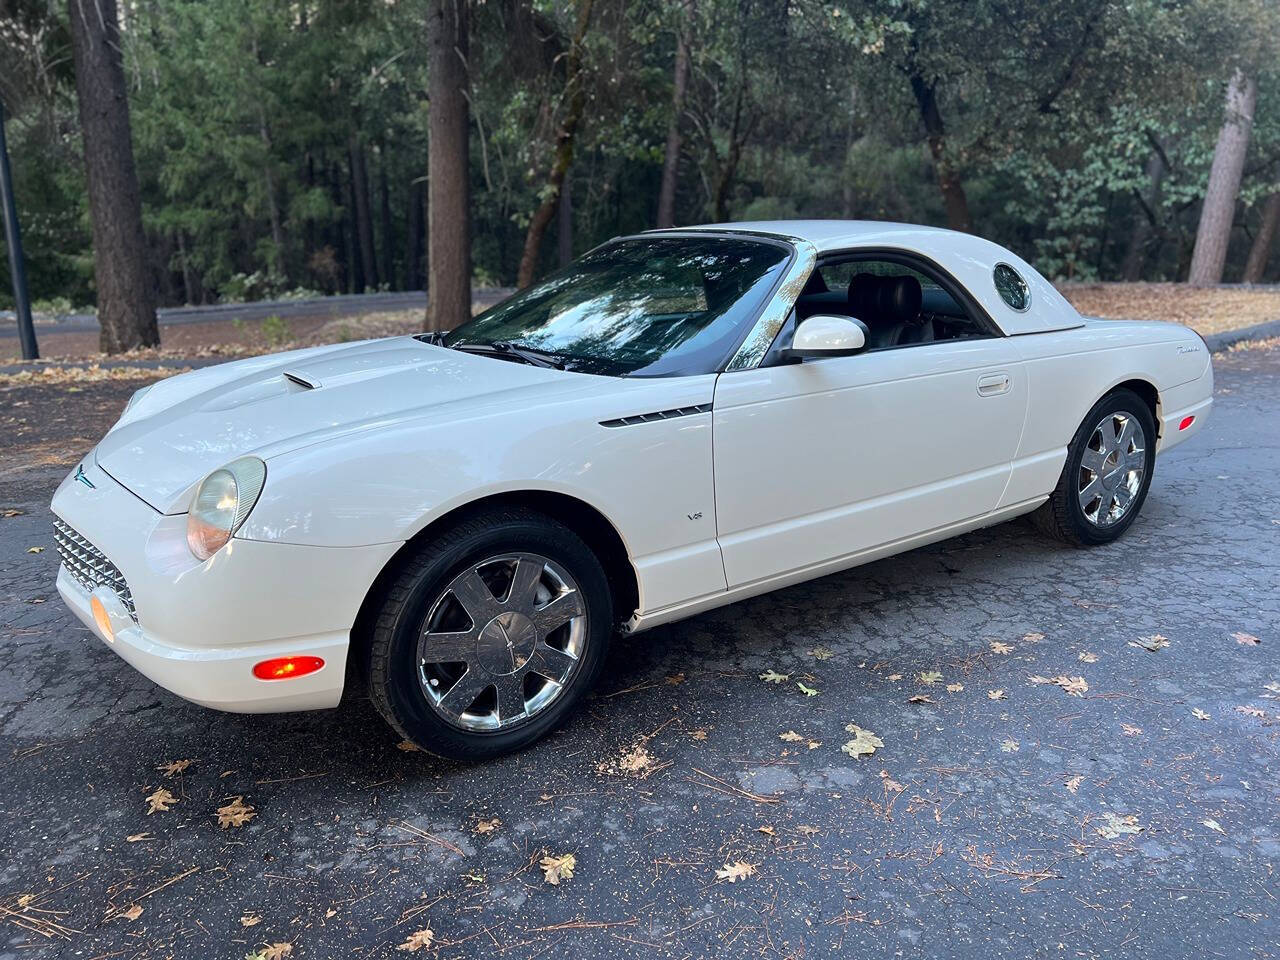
(894,676)
(699,735)
(675,679)
(1076,686)
(487,826)
(135,837)
(250,919)
(767,830)
(407,746)
(1032,637)
(1113,825)
(921,698)
(1130,730)
(555,869)
(133,913)
(1273,687)
(1253,712)
(160,801)
(954,687)
(235,814)
(35,549)
(417,940)
(1199,714)
(998,647)
(10,513)
(807,691)
(733,872)
(1087,657)
(1246,639)
(808,831)
(929,676)
(889,783)
(1037,679)
(996,695)
(1073,784)
(174,767)
(1010,746)
(26,900)
(822,653)
(790,737)
(1151,644)
(1214,825)
(864,742)
(275,951)
(773,676)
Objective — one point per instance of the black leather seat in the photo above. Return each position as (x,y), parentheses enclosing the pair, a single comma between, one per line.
(890,307)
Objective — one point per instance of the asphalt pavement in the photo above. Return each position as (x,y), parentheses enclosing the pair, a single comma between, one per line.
(1078,758)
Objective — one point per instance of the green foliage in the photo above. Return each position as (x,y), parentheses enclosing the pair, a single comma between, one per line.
(247,116)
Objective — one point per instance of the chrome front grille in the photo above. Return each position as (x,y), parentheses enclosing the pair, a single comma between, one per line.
(89,566)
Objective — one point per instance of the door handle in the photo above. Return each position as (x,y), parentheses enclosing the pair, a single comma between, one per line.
(993,384)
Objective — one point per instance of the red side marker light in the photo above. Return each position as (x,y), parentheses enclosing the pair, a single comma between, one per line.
(285,668)
(1186,422)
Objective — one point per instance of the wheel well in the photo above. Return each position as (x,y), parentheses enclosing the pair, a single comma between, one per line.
(583,519)
(1148,393)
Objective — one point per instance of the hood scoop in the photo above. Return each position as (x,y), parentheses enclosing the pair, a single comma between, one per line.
(293,376)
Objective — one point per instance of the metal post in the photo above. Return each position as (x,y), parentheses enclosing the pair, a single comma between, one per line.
(13,239)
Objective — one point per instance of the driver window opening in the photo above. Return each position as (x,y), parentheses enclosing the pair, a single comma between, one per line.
(900,305)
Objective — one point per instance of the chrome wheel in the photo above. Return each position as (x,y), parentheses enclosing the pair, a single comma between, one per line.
(1112,468)
(501,642)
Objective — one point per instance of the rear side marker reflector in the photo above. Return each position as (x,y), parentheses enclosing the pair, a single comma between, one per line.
(284,668)
(1186,422)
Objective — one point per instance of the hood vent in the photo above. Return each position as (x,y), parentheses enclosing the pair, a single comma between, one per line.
(295,377)
(657,415)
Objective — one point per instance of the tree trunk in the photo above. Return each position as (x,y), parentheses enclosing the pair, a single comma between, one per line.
(413,246)
(364,221)
(728,172)
(671,160)
(448,168)
(953,195)
(576,96)
(1219,209)
(388,238)
(273,205)
(125,291)
(188,289)
(1260,252)
(564,223)
(1144,221)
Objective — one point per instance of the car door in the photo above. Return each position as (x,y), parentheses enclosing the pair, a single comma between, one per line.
(830,458)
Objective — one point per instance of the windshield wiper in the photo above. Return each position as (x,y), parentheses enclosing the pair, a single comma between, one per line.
(503,348)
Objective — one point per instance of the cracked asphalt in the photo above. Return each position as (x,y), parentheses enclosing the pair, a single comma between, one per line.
(973,831)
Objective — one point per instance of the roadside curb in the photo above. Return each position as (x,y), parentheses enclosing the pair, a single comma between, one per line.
(1217,342)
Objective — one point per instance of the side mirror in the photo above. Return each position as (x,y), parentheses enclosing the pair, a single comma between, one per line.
(825,335)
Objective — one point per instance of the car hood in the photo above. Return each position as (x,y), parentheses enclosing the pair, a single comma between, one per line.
(181,429)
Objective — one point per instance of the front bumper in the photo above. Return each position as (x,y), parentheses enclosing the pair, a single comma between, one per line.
(201,626)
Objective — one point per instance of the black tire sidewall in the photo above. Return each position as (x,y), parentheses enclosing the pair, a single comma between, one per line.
(1125,401)
(411,712)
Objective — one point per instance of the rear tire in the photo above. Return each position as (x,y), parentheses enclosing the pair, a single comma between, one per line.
(1108,472)
(490,635)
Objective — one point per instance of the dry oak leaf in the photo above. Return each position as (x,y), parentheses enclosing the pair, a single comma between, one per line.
(1010,746)
(675,679)
(864,742)
(235,814)
(1130,730)
(791,737)
(1032,637)
(773,676)
(954,687)
(160,801)
(822,653)
(417,940)
(1087,657)
(1214,825)
(35,549)
(894,676)
(929,676)
(1253,712)
(921,698)
(890,783)
(135,837)
(808,831)
(995,695)
(133,913)
(733,872)
(1199,714)
(1073,784)
(487,826)
(555,869)
(407,746)
(1115,825)
(250,919)
(1246,639)
(1150,644)
(767,830)
(274,951)
(807,691)
(174,767)
(998,647)
(699,735)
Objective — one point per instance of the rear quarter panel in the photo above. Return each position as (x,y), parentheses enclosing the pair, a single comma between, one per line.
(1070,370)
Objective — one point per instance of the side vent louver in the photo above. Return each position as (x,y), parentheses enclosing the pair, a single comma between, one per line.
(656,415)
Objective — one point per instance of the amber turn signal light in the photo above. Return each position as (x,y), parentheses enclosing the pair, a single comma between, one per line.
(285,668)
(101,619)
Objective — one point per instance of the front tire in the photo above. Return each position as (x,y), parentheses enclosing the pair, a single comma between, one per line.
(490,635)
(1107,475)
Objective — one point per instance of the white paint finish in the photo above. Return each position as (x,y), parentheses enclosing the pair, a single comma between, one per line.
(807,469)
(969,259)
(834,456)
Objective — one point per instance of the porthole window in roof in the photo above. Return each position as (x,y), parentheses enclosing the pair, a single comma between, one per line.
(1011,287)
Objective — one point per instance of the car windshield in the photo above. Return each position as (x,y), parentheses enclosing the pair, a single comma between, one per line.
(649,307)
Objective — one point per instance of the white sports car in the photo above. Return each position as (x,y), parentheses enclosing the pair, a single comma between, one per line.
(676,421)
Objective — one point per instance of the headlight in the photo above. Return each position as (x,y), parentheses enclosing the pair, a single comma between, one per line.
(221,504)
